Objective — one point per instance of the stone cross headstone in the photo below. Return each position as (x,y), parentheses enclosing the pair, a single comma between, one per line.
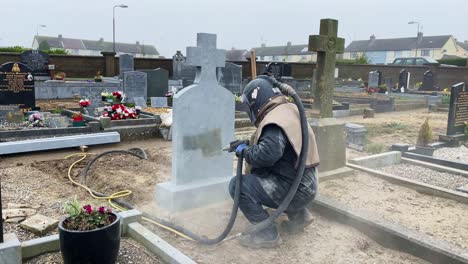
(126,63)
(230,77)
(17,85)
(37,61)
(158,82)
(374,79)
(428,82)
(178,60)
(327,45)
(135,85)
(141,102)
(403,81)
(203,122)
(458,111)
(158,101)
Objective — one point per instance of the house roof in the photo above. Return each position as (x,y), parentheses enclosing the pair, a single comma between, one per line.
(283,50)
(100,45)
(464,45)
(429,42)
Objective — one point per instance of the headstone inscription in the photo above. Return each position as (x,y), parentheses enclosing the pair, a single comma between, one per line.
(135,85)
(158,101)
(203,122)
(428,82)
(458,111)
(17,85)
(230,77)
(158,82)
(278,69)
(126,63)
(403,81)
(141,102)
(37,61)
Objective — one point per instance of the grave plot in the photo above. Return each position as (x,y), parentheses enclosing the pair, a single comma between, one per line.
(438,217)
(459,154)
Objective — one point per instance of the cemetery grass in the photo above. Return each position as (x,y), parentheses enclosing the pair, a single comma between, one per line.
(437,217)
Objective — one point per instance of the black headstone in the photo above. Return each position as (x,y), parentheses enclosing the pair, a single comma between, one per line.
(428,82)
(458,112)
(278,69)
(379,73)
(403,81)
(158,82)
(17,85)
(389,82)
(37,61)
(230,77)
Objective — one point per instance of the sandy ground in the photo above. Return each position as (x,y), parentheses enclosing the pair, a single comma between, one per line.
(438,217)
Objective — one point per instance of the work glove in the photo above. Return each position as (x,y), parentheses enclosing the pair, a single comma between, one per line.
(240,148)
(236,143)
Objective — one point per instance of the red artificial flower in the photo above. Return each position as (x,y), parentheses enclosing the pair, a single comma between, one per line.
(115,116)
(105,114)
(85,103)
(88,208)
(102,209)
(117,94)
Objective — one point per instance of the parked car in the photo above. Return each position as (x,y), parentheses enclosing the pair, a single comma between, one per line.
(414,61)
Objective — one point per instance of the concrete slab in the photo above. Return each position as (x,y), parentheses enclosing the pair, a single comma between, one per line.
(127,217)
(39,224)
(35,247)
(10,249)
(180,197)
(463,188)
(339,173)
(157,245)
(378,160)
(58,142)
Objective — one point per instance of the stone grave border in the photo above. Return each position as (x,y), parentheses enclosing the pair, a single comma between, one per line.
(387,234)
(14,251)
(370,163)
(436,161)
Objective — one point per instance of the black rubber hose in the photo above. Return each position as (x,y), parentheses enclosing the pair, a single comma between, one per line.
(196,237)
(288,90)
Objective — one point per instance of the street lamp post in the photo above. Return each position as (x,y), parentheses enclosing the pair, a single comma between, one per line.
(113,23)
(412,23)
(37,29)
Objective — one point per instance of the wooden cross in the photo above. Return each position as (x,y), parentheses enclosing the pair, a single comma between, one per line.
(327,45)
(206,57)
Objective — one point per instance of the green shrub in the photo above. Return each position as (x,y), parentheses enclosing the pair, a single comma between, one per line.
(425,134)
(361,60)
(462,62)
(16,49)
(446,99)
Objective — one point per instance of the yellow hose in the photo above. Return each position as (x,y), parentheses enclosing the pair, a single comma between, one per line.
(119,194)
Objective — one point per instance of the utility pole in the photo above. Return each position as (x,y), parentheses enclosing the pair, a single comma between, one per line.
(113,24)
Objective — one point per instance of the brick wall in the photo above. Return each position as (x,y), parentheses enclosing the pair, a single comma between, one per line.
(87,66)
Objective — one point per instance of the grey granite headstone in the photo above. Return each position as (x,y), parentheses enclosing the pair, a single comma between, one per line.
(5,109)
(389,82)
(135,85)
(140,101)
(175,85)
(126,63)
(93,94)
(355,136)
(373,79)
(203,122)
(158,82)
(230,77)
(158,101)
(56,121)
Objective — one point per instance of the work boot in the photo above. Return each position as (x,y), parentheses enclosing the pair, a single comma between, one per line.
(267,238)
(298,220)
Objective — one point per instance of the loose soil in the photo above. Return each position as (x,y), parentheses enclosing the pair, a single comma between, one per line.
(130,252)
(324,241)
(438,217)
(426,175)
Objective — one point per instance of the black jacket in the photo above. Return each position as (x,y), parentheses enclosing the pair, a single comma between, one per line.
(274,156)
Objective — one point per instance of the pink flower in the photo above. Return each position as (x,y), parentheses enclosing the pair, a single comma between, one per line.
(88,208)
(102,209)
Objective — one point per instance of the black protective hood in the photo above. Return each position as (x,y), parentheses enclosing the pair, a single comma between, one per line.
(257,93)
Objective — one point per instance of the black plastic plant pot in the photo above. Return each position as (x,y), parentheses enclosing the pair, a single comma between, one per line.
(94,246)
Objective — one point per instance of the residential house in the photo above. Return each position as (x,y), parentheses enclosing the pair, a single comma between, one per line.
(462,49)
(383,51)
(288,53)
(94,47)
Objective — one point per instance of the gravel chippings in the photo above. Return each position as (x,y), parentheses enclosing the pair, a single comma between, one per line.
(130,253)
(459,154)
(425,175)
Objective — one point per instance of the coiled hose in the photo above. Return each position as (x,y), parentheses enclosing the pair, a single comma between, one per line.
(285,89)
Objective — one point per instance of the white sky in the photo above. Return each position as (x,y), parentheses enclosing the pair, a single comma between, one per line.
(172,25)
